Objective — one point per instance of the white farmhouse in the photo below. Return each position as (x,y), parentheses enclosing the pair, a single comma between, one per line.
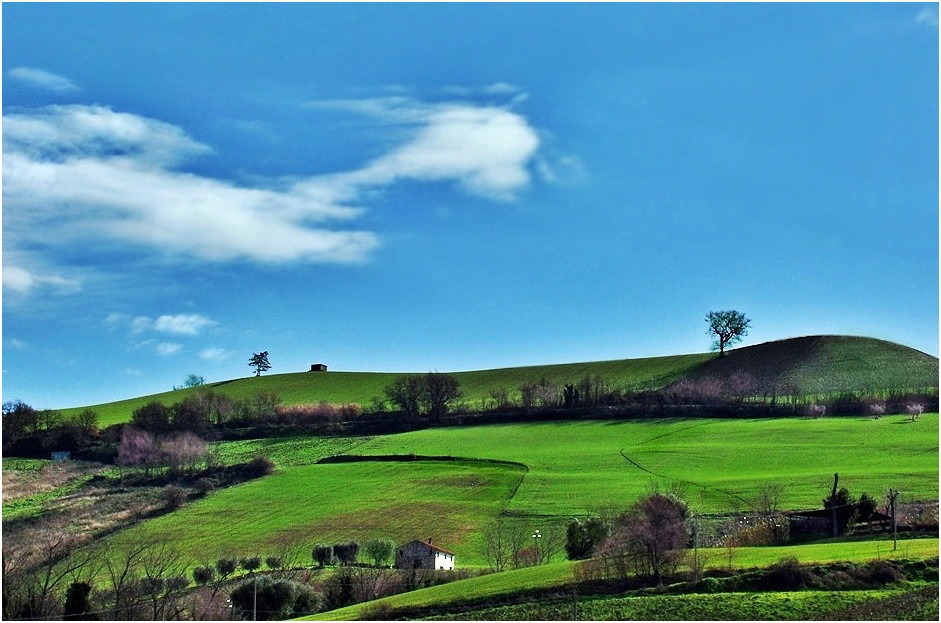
(423,555)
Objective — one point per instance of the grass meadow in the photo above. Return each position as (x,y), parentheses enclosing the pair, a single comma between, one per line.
(304,505)
(573,469)
(717,464)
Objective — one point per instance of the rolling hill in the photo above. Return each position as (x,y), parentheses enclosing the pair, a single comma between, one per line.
(808,365)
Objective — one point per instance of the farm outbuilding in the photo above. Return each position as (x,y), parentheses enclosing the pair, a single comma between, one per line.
(61,455)
(318,367)
(419,554)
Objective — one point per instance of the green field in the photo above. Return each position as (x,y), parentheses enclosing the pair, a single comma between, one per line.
(561,573)
(811,365)
(446,501)
(776,606)
(574,468)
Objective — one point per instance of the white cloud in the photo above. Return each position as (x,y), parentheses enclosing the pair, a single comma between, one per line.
(927,16)
(180,324)
(16,343)
(22,281)
(501,88)
(167,349)
(215,354)
(133,372)
(94,176)
(485,150)
(43,79)
(183,324)
(141,323)
(99,173)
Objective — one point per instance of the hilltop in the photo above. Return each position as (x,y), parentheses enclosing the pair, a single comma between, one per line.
(806,365)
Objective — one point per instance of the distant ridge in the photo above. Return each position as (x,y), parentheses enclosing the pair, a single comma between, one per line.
(812,364)
(827,364)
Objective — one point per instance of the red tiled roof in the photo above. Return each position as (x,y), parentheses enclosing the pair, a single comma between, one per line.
(434,547)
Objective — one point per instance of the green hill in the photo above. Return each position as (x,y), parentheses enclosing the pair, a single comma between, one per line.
(827,364)
(804,365)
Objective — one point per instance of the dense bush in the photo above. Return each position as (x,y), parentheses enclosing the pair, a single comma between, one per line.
(582,537)
(269,599)
(323,555)
(173,497)
(260,466)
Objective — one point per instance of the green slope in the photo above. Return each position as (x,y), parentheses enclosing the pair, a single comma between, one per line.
(574,468)
(562,573)
(826,364)
(809,365)
(361,387)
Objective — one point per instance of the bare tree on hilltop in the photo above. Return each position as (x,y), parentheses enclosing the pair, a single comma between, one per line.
(728,327)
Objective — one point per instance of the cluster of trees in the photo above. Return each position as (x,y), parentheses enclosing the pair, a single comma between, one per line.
(430,394)
(27,429)
(513,544)
(648,539)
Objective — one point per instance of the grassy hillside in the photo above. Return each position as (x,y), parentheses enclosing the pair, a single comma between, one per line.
(558,574)
(811,365)
(718,464)
(824,364)
(907,604)
(361,387)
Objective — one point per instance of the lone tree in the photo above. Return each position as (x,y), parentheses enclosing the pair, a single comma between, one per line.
(728,327)
(259,361)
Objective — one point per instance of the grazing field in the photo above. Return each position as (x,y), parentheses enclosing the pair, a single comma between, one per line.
(775,606)
(718,464)
(362,387)
(446,501)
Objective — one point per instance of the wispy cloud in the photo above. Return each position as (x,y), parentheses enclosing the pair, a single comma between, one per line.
(95,176)
(43,79)
(22,281)
(215,354)
(484,150)
(167,349)
(95,172)
(179,324)
(928,17)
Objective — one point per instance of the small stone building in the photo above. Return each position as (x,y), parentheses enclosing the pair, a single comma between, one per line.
(423,555)
(61,455)
(318,367)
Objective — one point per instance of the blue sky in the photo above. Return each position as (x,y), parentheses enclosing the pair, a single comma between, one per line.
(449,187)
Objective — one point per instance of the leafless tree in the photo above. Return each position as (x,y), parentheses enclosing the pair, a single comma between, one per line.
(502,539)
(139,448)
(767,507)
(877,409)
(649,538)
(184,451)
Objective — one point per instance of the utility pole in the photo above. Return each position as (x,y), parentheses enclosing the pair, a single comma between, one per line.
(892,495)
(836,529)
(696,546)
(255,599)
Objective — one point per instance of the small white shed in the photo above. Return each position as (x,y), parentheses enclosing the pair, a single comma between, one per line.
(419,554)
